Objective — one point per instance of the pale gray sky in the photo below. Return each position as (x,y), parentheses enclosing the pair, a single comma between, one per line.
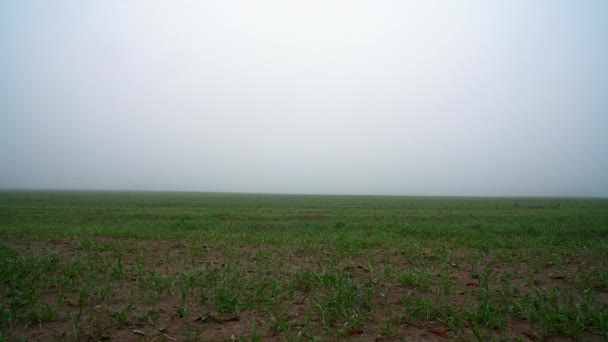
(471,97)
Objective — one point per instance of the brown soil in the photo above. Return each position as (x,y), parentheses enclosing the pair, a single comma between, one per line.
(99,322)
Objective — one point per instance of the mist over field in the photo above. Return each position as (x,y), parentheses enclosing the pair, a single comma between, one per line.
(354,97)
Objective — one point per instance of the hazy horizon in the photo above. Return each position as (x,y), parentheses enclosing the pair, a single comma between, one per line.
(461,98)
(297,194)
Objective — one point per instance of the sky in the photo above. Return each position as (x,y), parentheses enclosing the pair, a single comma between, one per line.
(462,97)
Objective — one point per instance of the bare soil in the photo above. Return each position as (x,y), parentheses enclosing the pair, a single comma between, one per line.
(204,323)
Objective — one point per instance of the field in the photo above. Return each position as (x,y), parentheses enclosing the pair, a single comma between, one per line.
(97,266)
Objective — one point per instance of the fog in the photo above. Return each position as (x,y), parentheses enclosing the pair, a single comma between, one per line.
(472,98)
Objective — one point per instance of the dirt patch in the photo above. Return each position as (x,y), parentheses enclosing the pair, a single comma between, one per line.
(301,218)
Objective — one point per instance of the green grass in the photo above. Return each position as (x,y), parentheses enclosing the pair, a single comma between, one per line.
(94,265)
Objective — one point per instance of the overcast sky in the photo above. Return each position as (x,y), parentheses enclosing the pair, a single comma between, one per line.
(319,96)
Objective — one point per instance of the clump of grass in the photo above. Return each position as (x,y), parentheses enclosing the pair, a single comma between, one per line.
(420,279)
(229,294)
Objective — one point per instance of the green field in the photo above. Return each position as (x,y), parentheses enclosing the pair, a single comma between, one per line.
(211,266)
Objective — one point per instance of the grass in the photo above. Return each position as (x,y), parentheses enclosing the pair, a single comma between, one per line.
(211,266)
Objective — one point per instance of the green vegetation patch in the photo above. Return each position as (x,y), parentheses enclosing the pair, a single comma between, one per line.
(205,266)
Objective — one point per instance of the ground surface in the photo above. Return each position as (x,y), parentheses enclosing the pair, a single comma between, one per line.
(191,266)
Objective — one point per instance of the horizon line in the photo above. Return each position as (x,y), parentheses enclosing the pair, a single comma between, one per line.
(296,193)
